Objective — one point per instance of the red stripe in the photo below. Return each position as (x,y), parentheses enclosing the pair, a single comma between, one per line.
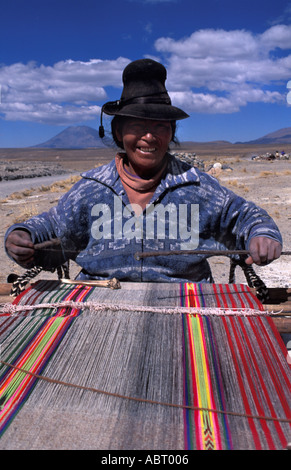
(275,369)
(239,296)
(278,337)
(218,303)
(231,297)
(242,387)
(263,388)
(252,300)
(223,296)
(251,380)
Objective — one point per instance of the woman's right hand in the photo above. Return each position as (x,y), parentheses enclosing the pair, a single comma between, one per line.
(20,247)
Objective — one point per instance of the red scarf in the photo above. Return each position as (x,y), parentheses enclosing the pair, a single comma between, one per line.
(138,190)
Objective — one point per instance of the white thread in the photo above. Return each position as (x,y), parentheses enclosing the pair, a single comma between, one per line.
(13,309)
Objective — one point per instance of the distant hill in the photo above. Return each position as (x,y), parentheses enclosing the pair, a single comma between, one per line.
(76,137)
(282,136)
(185,144)
(79,137)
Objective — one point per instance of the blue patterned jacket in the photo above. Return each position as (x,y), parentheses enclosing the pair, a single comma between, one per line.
(100,232)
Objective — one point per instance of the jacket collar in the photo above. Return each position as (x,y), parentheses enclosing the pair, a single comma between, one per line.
(178,173)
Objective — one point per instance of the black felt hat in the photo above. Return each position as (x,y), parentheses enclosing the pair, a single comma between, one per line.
(144,94)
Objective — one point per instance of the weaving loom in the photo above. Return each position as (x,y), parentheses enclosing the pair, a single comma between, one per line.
(147,366)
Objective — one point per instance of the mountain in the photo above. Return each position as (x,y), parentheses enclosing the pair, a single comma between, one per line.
(79,137)
(185,144)
(280,137)
(76,137)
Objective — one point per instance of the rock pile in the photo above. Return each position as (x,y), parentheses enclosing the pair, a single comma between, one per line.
(18,170)
(191,159)
(271,156)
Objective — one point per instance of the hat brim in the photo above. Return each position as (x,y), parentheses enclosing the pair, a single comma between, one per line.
(153,111)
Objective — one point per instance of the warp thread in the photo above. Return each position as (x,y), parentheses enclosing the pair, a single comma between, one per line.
(145,400)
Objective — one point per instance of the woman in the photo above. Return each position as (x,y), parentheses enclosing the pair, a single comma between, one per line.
(145,200)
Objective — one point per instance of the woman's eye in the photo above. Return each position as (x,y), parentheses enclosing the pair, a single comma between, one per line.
(137,128)
(141,129)
(163,128)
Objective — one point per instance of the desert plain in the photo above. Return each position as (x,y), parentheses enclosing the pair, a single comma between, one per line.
(267,183)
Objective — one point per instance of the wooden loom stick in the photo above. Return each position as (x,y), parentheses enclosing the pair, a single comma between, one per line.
(112,283)
(147,254)
(54,242)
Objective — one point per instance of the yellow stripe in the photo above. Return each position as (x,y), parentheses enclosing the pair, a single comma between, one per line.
(202,378)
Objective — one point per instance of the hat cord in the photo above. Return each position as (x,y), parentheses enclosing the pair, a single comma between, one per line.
(147,99)
(101,127)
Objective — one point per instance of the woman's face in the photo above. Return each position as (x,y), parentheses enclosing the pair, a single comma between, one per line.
(146,143)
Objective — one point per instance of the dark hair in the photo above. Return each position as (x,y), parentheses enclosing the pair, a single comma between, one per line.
(118,121)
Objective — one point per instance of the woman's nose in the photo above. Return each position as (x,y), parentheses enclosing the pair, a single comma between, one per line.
(149,135)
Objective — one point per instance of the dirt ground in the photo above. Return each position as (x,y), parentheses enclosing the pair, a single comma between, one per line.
(264,182)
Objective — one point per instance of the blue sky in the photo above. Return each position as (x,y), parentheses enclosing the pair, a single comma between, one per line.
(228,63)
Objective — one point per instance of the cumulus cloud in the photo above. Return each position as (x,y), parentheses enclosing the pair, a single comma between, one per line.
(64,93)
(277,36)
(211,71)
(218,71)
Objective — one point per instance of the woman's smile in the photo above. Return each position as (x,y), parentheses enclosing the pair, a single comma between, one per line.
(146,150)
(146,143)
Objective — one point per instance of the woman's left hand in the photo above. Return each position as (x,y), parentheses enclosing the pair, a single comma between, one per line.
(263,251)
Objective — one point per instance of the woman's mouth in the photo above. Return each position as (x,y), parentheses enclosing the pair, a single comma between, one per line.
(146,149)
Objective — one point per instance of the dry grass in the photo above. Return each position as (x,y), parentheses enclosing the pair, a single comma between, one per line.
(235,184)
(27,211)
(267,173)
(59,186)
(19,195)
(63,185)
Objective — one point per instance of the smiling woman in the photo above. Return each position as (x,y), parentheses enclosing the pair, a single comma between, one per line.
(145,200)
(146,143)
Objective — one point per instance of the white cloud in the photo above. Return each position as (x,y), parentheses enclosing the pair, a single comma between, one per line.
(277,36)
(211,71)
(234,67)
(50,113)
(210,42)
(203,102)
(64,93)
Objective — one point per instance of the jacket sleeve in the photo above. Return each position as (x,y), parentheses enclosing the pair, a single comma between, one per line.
(67,221)
(242,220)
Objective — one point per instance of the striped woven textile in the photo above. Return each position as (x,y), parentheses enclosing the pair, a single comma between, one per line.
(149,366)
(251,365)
(36,343)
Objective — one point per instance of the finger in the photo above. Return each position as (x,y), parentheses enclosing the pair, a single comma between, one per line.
(278,251)
(255,255)
(269,252)
(21,250)
(20,241)
(22,256)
